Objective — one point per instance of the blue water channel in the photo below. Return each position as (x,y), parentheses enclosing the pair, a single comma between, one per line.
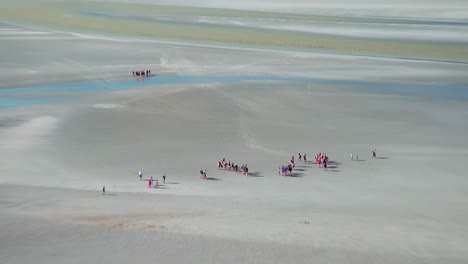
(25,96)
(13,97)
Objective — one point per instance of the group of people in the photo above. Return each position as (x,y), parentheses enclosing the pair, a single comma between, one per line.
(322,159)
(233,166)
(301,158)
(287,169)
(152,183)
(355,156)
(203,174)
(146,73)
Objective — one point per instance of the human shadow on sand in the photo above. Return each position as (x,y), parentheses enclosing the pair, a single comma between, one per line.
(212,179)
(333,165)
(304,166)
(110,194)
(294,175)
(162,187)
(255,174)
(173,183)
(296,169)
(381,158)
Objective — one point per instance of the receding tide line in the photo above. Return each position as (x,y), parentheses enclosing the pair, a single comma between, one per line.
(134,83)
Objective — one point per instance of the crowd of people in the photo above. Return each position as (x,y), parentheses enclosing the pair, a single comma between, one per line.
(284,170)
(233,166)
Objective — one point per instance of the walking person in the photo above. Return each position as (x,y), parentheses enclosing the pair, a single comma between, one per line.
(164,178)
(150,182)
(103,190)
(305,158)
(140,174)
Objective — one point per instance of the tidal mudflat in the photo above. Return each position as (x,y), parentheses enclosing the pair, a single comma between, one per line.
(255,87)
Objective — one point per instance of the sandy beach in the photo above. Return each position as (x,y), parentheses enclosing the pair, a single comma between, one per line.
(73,119)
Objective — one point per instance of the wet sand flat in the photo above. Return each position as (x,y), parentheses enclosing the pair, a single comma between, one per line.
(104,17)
(73,119)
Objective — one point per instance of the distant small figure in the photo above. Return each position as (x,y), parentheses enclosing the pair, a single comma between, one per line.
(156,184)
(140,174)
(164,178)
(374,153)
(357,157)
(150,182)
(305,158)
(299,157)
(352,157)
(325,165)
(103,190)
(204,174)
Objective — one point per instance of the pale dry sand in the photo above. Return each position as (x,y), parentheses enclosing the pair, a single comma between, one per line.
(407,206)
